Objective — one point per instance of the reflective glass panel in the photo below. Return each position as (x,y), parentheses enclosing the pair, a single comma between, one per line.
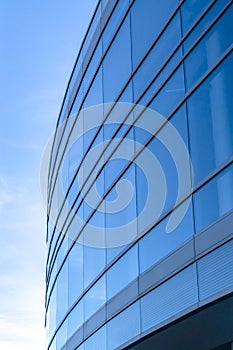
(94,262)
(62,293)
(191,10)
(114,22)
(75,261)
(95,94)
(122,272)
(210,112)
(117,63)
(147,19)
(75,318)
(158,243)
(61,336)
(97,341)
(95,298)
(124,327)
(194,9)
(157,57)
(210,49)
(92,68)
(214,199)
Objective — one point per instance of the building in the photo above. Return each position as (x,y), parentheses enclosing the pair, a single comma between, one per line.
(158,289)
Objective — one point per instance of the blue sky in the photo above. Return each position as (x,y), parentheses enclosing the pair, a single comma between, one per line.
(39,44)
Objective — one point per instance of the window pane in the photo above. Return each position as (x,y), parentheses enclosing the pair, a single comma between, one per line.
(214,199)
(97,341)
(114,22)
(210,49)
(191,10)
(95,94)
(157,243)
(77,102)
(62,293)
(144,26)
(94,262)
(61,336)
(117,63)
(167,162)
(75,261)
(75,319)
(121,200)
(95,298)
(62,249)
(171,93)
(156,58)
(122,272)
(91,70)
(124,327)
(210,111)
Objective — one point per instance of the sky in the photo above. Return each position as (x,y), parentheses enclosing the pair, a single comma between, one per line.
(39,42)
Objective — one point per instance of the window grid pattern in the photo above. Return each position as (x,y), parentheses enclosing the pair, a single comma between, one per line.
(207,26)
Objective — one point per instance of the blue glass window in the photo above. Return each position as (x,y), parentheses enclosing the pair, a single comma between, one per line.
(95,94)
(61,336)
(62,293)
(214,199)
(210,111)
(124,326)
(122,272)
(75,262)
(95,27)
(95,298)
(210,49)
(171,93)
(122,194)
(157,243)
(156,58)
(75,319)
(97,341)
(127,95)
(78,101)
(92,67)
(117,63)
(166,198)
(147,19)
(94,263)
(191,10)
(114,22)
(62,249)
(74,156)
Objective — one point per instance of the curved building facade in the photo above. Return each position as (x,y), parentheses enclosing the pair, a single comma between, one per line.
(140,186)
